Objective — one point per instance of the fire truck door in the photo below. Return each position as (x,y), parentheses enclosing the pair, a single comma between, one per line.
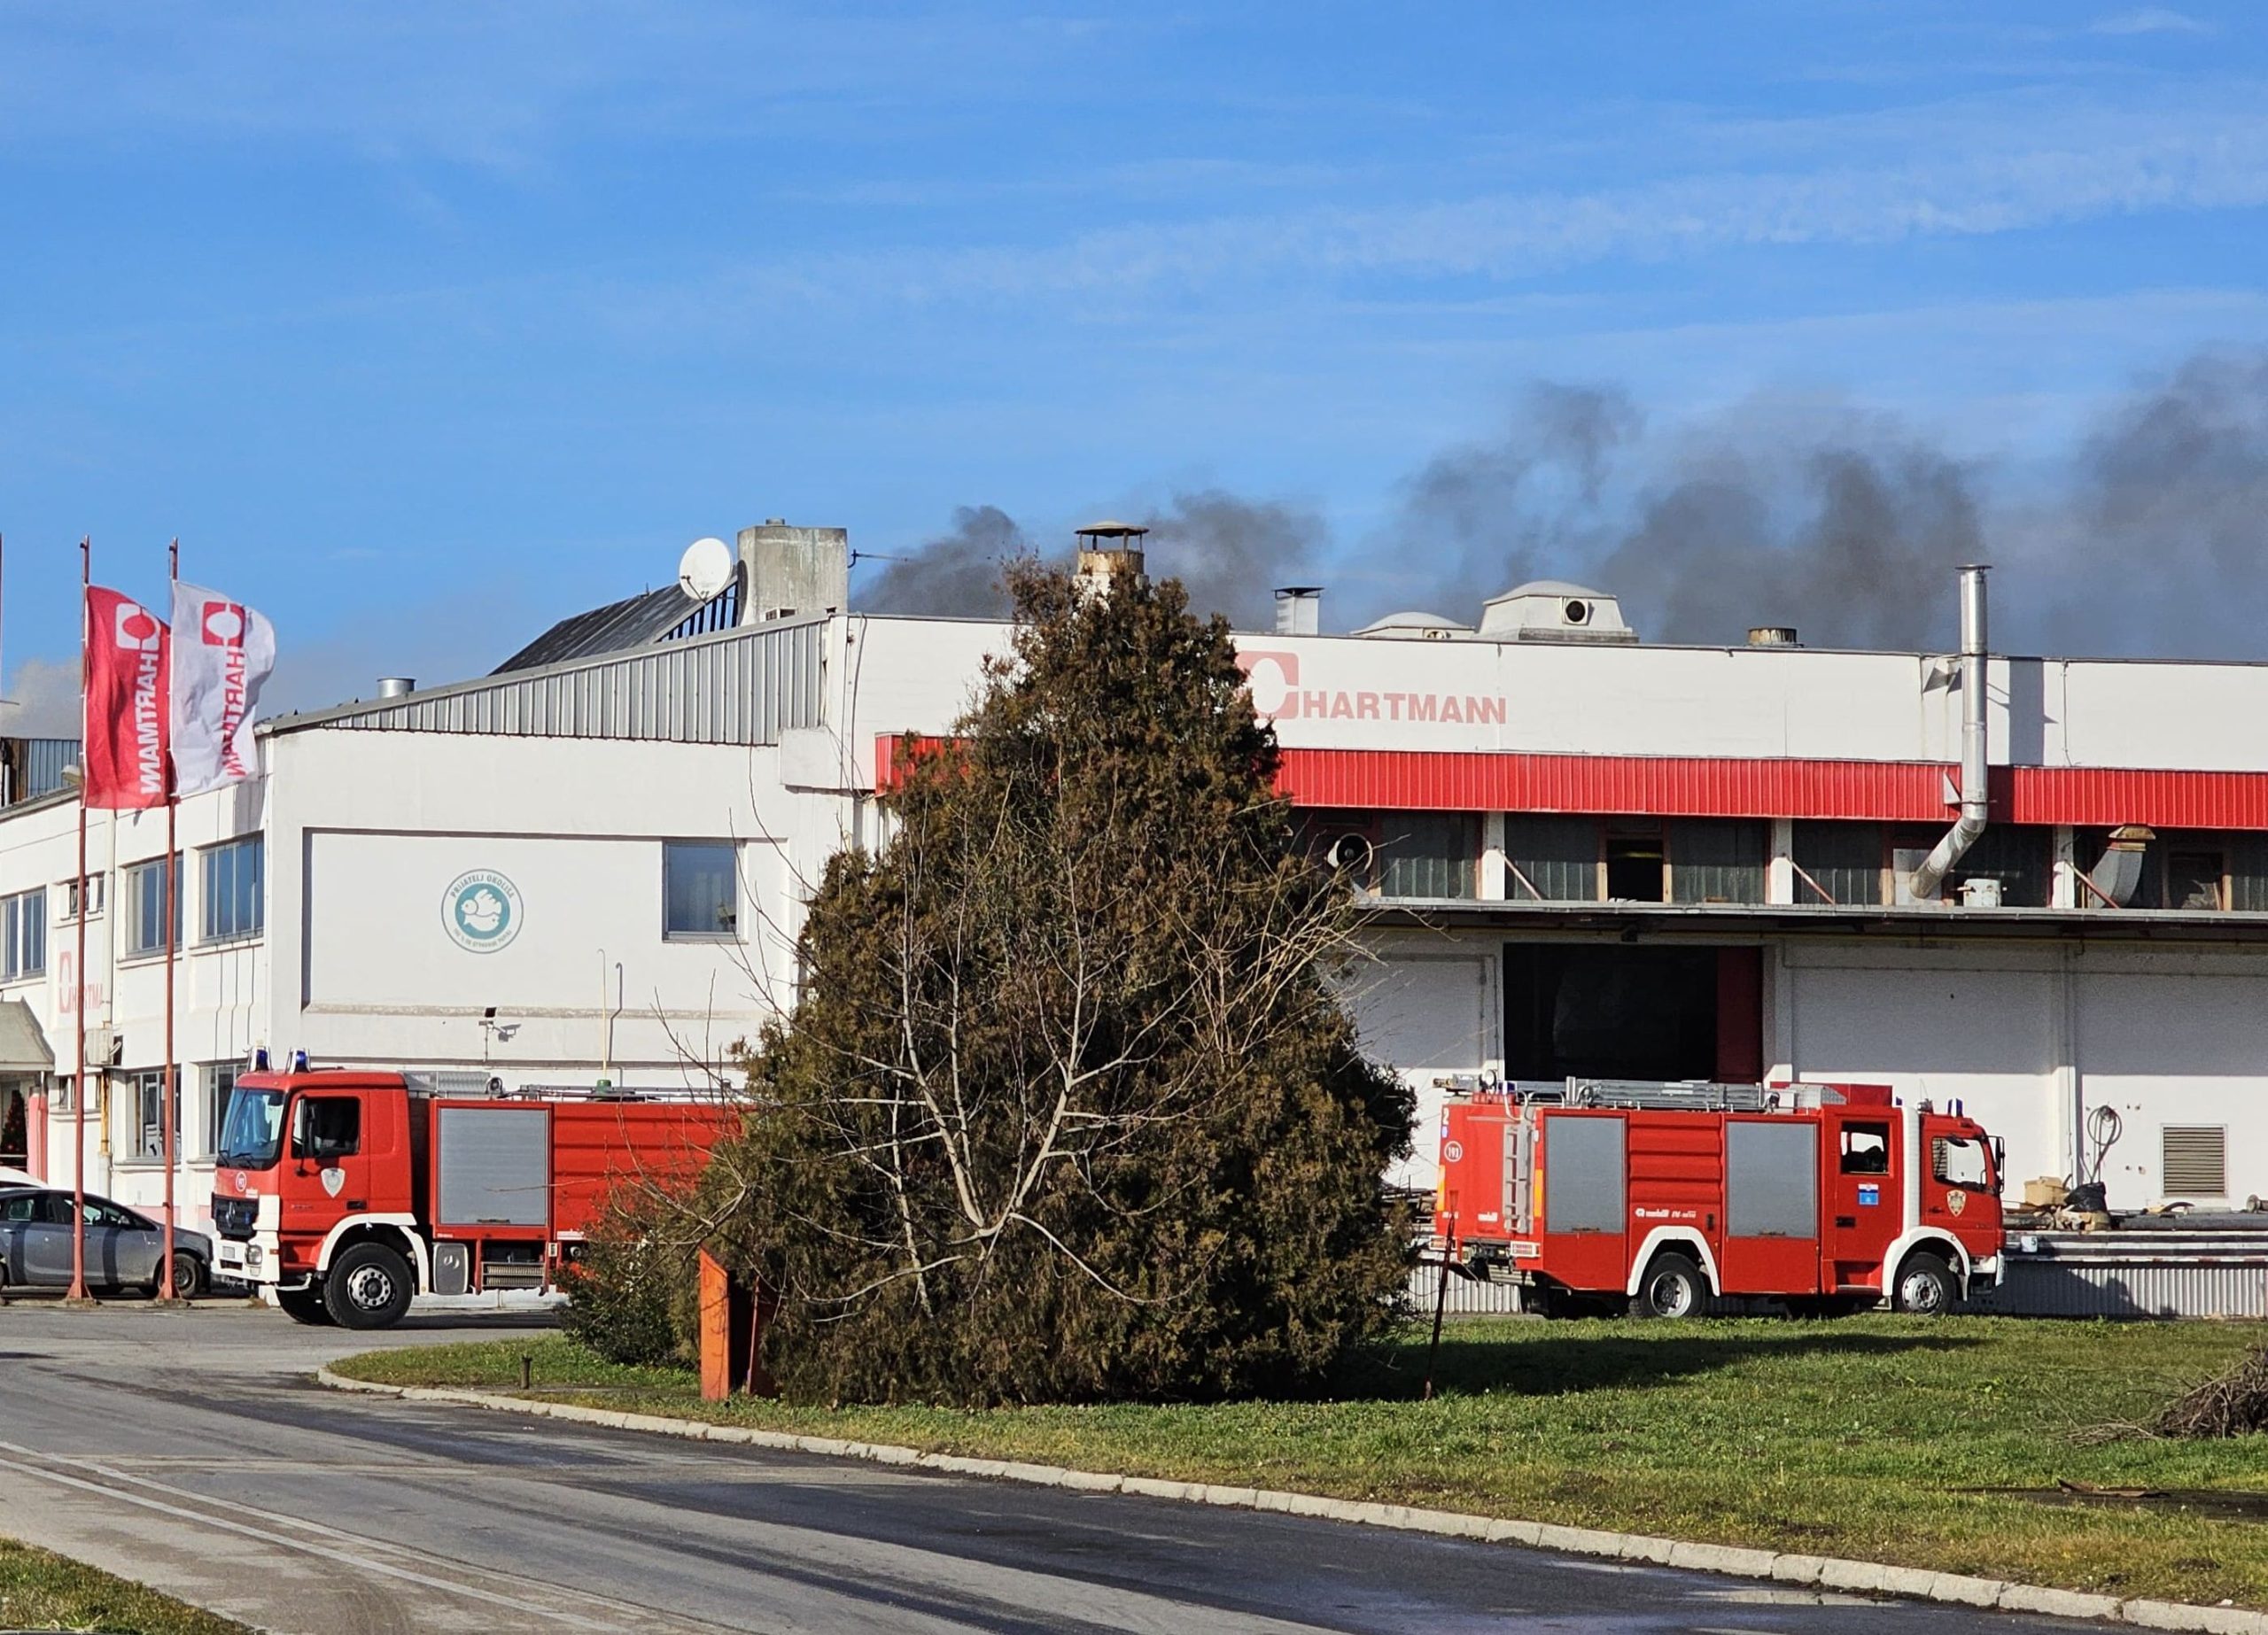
(1860,1158)
(327,1144)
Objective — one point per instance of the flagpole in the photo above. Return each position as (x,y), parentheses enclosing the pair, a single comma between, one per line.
(78,1290)
(168,1136)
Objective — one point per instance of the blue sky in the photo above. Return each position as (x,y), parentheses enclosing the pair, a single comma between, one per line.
(423,324)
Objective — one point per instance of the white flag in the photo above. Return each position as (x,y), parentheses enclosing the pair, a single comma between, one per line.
(223,652)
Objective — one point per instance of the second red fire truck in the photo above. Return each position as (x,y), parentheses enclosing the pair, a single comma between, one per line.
(1660,1199)
(347,1192)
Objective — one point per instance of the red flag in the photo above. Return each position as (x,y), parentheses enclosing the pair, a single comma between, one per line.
(127,662)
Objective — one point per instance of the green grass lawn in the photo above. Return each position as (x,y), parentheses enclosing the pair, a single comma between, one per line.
(1870,1437)
(39,1590)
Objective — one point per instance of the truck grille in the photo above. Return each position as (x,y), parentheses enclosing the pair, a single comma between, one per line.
(233,1217)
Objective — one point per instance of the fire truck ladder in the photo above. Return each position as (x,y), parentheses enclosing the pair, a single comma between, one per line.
(1697,1093)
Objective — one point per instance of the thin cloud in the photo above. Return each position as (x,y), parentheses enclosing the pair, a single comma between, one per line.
(2149,20)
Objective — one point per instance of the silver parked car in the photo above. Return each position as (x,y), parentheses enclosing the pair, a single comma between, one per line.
(123,1248)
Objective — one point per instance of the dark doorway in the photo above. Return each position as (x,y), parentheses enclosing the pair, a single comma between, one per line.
(1614,1011)
(1634,860)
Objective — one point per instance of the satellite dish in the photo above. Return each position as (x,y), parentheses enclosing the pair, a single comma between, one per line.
(705,569)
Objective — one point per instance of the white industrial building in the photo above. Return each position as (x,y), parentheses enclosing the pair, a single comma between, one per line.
(1590,856)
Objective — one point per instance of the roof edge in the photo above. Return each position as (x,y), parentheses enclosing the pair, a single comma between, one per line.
(277,726)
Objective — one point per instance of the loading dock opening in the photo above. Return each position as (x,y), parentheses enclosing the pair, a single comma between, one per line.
(1616,1011)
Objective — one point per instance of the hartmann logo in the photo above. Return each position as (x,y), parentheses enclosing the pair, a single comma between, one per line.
(135,630)
(223,624)
(1273,679)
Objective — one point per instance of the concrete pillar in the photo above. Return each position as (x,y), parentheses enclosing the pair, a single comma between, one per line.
(1495,877)
(1779,873)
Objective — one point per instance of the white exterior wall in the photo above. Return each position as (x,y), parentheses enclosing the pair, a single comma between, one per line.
(2030,1038)
(371,828)
(221,991)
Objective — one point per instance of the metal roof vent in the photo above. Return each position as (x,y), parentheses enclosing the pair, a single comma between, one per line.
(1773,636)
(396,686)
(1299,609)
(1553,610)
(1416,626)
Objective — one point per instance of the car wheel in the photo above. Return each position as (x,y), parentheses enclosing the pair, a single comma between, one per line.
(188,1277)
(1672,1287)
(1925,1286)
(368,1287)
(304,1306)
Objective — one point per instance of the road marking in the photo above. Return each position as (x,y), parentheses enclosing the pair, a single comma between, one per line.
(203,1518)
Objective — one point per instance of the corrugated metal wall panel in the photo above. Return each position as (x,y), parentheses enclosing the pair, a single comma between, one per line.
(1466,1299)
(740,687)
(2048,1288)
(1494,781)
(2163,799)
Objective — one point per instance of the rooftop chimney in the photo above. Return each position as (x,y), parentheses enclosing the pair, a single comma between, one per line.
(1299,609)
(1109,551)
(786,571)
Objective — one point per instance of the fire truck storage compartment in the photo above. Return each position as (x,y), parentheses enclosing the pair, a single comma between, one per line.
(495,1164)
(1583,1178)
(1771,1205)
(1633,1011)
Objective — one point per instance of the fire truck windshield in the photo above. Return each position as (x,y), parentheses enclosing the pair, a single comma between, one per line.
(253,1136)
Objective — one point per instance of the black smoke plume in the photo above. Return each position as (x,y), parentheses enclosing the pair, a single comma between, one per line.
(2150,537)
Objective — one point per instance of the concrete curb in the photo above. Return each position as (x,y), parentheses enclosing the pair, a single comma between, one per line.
(1806,1571)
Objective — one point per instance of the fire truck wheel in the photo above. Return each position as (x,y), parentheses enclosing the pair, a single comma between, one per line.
(1925,1286)
(367,1287)
(1672,1287)
(304,1306)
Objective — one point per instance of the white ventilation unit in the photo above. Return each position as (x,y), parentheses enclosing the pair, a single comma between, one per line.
(2196,1160)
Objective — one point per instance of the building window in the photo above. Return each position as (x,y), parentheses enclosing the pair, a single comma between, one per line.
(1551,858)
(145,902)
(1838,863)
(69,889)
(1429,855)
(229,889)
(2204,871)
(1717,860)
(1636,861)
(700,888)
(219,1080)
(2197,878)
(23,934)
(145,1099)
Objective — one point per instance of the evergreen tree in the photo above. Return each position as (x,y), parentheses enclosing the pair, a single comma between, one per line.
(1069,1109)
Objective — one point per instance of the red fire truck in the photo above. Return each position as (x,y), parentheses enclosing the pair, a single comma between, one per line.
(1660,1199)
(348,1192)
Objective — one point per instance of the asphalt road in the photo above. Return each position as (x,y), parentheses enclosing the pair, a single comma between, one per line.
(192,1451)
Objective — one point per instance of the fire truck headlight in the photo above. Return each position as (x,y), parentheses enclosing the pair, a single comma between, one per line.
(254,1255)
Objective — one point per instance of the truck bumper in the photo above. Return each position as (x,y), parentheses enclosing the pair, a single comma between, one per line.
(256,1261)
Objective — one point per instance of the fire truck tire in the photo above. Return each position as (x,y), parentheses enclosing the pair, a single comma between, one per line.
(368,1286)
(304,1306)
(1672,1287)
(1925,1286)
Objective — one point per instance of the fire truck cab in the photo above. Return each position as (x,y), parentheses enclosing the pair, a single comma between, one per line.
(345,1193)
(1660,1199)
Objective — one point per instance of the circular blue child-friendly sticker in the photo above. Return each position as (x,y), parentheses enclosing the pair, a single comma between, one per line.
(481,910)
